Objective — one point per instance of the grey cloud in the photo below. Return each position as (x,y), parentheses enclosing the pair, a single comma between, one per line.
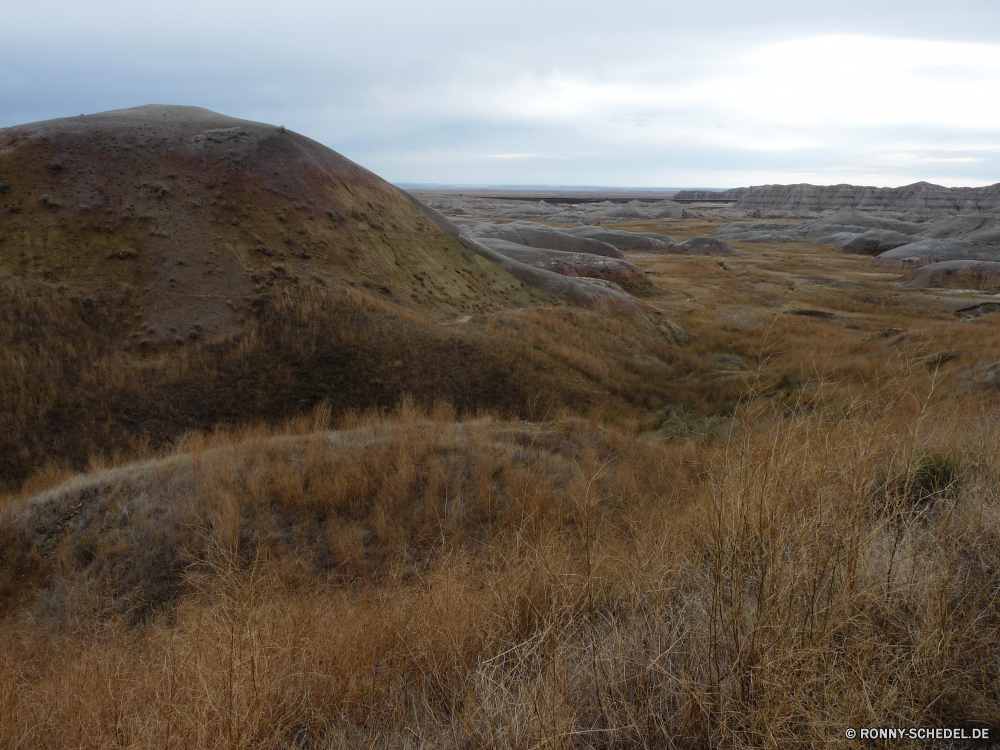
(400,87)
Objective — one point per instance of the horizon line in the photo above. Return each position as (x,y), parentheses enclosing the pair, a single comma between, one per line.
(594,188)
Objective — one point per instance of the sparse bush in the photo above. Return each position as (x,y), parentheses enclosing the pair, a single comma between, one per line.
(676,422)
(931,477)
(49,200)
(4,187)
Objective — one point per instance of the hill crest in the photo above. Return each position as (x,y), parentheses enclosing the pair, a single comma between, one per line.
(199,214)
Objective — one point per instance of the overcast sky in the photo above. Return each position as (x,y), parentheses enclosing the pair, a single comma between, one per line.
(548,92)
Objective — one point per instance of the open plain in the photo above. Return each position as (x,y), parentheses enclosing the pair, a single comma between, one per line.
(485,472)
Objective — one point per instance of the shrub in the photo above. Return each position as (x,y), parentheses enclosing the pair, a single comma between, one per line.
(676,422)
(931,477)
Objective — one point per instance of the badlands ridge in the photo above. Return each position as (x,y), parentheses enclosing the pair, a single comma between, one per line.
(918,199)
(901,228)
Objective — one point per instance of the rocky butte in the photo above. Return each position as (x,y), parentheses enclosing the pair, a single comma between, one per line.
(920,198)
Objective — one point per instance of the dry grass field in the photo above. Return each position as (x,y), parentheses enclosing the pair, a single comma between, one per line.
(762,518)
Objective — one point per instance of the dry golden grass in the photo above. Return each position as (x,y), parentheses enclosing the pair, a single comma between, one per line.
(71,393)
(565,585)
(804,538)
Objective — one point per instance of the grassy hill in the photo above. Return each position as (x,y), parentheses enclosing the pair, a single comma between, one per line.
(168,268)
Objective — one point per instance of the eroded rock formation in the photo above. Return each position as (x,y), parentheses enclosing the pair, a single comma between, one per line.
(920,198)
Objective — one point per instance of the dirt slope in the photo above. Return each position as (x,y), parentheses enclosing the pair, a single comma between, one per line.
(200,214)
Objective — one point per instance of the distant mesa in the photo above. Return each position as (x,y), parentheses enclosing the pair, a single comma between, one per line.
(920,198)
(899,228)
(976,228)
(578,214)
(584,261)
(710,196)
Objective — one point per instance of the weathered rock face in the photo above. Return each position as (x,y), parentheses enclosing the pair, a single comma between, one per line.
(873,242)
(530,234)
(869,220)
(581,213)
(631,241)
(895,243)
(450,206)
(760,231)
(623,273)
(920,198)
(959,274)
(925,251)
(704,246)
(710,195)
(977,228)
(900,227)
(989,235)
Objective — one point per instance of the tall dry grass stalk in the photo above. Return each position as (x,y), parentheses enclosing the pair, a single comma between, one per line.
(414,581)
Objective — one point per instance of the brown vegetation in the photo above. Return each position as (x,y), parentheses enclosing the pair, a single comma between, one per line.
(543,527)
(71,392)
(415,580)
